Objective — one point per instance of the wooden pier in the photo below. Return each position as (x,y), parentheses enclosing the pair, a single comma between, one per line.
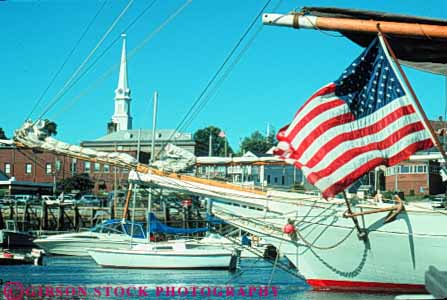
(72,217)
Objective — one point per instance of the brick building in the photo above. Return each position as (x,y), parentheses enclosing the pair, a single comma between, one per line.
(44,167)
(415,178)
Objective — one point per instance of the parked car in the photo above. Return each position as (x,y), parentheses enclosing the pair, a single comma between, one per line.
(439,201)
(25,199)
(89,200)
(5,200)
(62,198)
(49,200)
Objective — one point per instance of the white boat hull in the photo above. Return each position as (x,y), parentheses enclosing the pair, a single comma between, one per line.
(77,246)
(158,260)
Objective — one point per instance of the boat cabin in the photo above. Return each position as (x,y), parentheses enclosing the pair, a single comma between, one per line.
(134,230)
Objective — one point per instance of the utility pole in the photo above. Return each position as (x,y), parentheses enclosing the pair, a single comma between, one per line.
(154,125)
(210,148)
(226,146)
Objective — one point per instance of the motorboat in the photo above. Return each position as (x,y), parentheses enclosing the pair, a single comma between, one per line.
(110,234)
(11,237)
(175,254)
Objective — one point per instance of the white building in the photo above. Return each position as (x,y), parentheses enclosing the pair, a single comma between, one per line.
(121,119)
(252,169)
(120,135)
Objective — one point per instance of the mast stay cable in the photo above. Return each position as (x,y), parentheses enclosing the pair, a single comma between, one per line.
(73,76)
(132,53)
(197,103)
(66,60)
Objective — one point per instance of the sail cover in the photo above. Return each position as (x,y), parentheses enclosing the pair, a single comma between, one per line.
(158,227)
(427,54)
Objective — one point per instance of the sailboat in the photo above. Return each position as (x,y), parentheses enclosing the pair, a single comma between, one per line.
(171,254)
(333,243)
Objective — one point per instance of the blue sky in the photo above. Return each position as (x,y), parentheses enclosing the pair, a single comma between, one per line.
(280,70)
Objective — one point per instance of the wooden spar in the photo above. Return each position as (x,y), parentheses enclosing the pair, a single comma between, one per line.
(415,99)
(145,169)
(355,25)
(126,205)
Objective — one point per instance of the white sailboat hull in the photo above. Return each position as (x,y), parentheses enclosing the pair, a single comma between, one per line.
(150,259)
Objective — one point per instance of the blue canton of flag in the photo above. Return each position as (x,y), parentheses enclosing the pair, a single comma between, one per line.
(369,83)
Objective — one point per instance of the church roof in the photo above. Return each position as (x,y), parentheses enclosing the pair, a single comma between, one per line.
(146,135)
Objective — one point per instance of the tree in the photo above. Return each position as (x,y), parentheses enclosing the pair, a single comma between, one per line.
(2,134)
(51,127)
(79,182)
(202,138)
(257,142)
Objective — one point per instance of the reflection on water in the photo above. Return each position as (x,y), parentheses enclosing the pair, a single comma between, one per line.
(81,278)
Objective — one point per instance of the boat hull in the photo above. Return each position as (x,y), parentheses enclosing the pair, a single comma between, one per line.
(73,246)
(159,260)
(329,254)
(13,239)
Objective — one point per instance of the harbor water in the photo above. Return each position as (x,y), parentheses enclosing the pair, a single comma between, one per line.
(64,277)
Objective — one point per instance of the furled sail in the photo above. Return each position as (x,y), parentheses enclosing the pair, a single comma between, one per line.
(37,135)
(157,227)
(418,42)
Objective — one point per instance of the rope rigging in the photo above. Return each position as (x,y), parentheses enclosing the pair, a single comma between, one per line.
(69,83)
(131,54)
(66,60)
(198,101)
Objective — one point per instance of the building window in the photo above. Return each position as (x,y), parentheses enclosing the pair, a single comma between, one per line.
(7,168)
(106,168)
(97,167)
(268,178)
(276,179)
(58,165)
(48,168)
(28,168)
(282,180)
(404,169)
(87,166)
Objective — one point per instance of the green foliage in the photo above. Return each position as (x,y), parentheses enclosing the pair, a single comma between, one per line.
(2,134)
(80,182)
(202,138)
(258,142)
(51,127)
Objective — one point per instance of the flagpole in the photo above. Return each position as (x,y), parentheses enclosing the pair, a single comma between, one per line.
(414,99)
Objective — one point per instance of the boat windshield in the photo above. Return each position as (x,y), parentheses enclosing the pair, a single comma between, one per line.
(137,230)
(108,228)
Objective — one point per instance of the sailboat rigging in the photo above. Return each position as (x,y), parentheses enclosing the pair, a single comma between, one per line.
(324,250)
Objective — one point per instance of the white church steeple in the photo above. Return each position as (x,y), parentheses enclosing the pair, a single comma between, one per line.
(122,117)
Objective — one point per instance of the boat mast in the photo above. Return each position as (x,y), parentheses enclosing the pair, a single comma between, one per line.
(149,199)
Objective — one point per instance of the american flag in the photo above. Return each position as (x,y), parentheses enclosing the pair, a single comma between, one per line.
(362,120)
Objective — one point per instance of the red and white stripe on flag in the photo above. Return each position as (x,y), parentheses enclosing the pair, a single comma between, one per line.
(334,147)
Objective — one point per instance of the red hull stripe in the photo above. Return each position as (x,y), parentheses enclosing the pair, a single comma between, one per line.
(363,286)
